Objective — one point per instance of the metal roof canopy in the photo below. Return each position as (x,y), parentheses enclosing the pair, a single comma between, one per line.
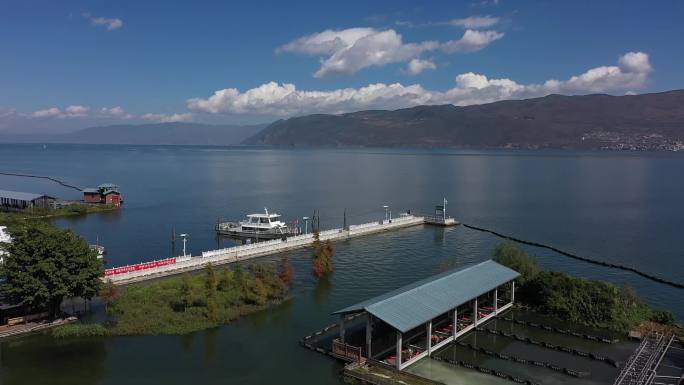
(414,304)
(21,196)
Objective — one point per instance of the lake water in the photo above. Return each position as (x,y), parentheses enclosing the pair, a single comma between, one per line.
(618,207)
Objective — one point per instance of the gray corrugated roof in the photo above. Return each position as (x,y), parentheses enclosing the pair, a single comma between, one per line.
(23,196)
(90,190)
(417,303)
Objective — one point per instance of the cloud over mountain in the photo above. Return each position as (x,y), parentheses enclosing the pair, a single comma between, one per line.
(274,99)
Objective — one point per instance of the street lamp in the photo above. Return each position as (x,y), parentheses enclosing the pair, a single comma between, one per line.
(185,239)
(306,224)
(386,212)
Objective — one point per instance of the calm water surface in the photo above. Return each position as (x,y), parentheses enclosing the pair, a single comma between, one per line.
(617,207)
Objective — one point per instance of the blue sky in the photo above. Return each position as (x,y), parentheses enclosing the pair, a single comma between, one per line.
(72,64)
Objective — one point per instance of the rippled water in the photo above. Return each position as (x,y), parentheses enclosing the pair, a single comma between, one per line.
(618,207)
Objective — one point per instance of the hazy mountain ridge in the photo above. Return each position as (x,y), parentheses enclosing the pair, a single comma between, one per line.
(156,134)
(648,121)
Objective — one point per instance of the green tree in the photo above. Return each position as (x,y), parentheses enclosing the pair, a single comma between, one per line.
(512,256)
(185,292)
(238,278)
(46,264)
(212,309)
(225,281)
(211,280)
(210,284)
(257,293)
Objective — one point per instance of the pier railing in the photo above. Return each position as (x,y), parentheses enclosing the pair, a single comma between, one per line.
(347,351)
(243,252)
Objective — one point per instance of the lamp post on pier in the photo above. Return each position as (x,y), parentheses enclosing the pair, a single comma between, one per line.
(185,239)
(306,224)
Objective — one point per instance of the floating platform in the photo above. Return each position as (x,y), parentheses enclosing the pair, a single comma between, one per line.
(441,221)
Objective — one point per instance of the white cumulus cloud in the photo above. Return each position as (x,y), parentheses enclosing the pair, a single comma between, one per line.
(285,99)
(475,22)
(471,41)
(114,112)
(110,24)
(105,114)
(348,51)
(52,112)
(416,66)
(73,111)
(274,99)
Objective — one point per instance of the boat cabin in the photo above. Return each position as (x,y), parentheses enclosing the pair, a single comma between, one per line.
(262,222)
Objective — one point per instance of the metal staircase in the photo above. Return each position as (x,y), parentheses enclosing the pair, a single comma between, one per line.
(640,369)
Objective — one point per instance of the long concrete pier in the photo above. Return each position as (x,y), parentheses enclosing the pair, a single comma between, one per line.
(137,273)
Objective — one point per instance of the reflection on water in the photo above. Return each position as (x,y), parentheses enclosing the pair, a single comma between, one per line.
(322,290)
(35,359)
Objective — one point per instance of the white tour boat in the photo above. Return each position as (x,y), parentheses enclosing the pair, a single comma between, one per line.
(256,226)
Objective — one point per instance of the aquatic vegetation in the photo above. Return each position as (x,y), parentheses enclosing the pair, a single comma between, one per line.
(185,304)
(80,330)
(587,302)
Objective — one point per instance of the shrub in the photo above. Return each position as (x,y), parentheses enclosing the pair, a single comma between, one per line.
(582,301)
(663,317)
(512,256)
(80,330)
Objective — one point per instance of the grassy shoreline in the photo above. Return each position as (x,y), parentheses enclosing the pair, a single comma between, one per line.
(70,210)
(186,304)
(592,303)
(19,218)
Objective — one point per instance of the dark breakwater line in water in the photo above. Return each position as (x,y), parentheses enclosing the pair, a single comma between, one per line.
(580,258)
(43,177)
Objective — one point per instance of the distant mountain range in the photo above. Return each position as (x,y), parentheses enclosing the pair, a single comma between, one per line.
(161,133)
(648,121)
(641,122)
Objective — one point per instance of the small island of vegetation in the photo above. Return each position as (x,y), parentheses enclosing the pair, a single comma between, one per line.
(188,303)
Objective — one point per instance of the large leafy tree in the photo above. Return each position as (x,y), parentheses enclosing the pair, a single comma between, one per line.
(46,264)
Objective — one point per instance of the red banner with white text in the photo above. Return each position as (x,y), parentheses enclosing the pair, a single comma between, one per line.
(139,266)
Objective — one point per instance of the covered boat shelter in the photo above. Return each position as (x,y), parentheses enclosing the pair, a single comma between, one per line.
(410,323)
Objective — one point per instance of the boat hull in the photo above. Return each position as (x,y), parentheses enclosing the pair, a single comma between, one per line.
(238,233)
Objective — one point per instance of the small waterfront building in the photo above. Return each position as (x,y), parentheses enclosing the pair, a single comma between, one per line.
(15,200)
(112,197)
(106,193)
(410,323)
(92,195)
